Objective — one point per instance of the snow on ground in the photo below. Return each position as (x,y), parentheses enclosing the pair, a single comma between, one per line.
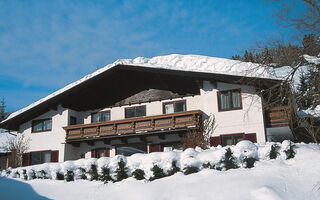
(297,178)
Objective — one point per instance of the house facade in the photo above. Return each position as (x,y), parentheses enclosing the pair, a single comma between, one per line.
(136,107)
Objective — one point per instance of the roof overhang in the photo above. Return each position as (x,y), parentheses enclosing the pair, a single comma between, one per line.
(121,81)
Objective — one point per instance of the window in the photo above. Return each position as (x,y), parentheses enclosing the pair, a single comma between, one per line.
(172,146)
(73,120)
(138,111)
(173,107)
(132,149)
(99,153)
(229,100)
(41,125)
(100,117)
(40,157)
(231,139)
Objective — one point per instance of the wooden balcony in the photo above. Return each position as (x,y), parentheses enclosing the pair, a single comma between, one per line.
(134,126)
(277,116)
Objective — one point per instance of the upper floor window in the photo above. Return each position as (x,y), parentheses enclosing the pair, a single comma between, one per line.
(137,111)
(229,100)
(173,107)
(41,125)
(100,117)
(73,120)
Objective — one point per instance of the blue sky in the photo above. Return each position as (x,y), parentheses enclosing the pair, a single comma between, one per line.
(45,45)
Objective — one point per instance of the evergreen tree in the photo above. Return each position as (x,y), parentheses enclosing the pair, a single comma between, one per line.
(174,169)
(121,171)
(2,109)
(157,173)
(93,173)
(138,174)
(105,175)
(229,160)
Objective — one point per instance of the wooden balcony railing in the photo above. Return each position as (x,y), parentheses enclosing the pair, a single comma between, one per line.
(134,125)
(277,116)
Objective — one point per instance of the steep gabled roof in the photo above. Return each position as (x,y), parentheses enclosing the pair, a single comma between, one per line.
(184,63)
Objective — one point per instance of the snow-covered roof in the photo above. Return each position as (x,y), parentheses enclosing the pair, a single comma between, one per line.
(191,63)
(310,112)
(4,139)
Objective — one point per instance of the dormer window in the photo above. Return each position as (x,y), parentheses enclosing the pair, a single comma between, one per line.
(41,125)
(173,107)
(229,100)
(137,111)
(100,117)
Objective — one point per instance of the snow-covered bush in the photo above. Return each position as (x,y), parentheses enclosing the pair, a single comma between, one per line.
(158,164)
(138,174)
(81,173)
(229,161)
(174,169)
(93,172)
(59,176)
(274,152)
(105,175)
(121,171)
(69,176)
(157,173)
(190,170)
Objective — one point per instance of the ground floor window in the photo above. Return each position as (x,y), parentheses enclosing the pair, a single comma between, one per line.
(172,146)
(231,139)
(40,157)
(129,150)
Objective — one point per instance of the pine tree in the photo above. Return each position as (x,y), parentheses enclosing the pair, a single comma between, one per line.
(93,173)
(121,171)
(105,175)
(138,174)
(2,109)
(229,160)
(157,173)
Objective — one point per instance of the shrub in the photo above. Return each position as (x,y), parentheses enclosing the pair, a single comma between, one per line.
(16,174)
(82,174)
(8,172)
(121,171)
(274,151)
(208,165)
(93,173)
(190,170)
(174,169)
(157,173)
(105,175)
(69,176)
(249,162)
(59,176)
(25,176)
(33,174)
(228,161)
(290,153)
(43,174)
(138,174)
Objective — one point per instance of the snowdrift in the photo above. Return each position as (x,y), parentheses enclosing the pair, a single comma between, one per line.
(197,159)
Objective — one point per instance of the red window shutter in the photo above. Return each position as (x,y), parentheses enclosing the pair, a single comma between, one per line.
(107,152)
(93,153)
(26,159)
(251,137)
(154,148)
(54,156)
(215,141)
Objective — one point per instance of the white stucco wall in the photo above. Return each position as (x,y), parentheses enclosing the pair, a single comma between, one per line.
(249,119)
(50,140)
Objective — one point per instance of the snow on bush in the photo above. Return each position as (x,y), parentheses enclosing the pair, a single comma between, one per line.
(158,164)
